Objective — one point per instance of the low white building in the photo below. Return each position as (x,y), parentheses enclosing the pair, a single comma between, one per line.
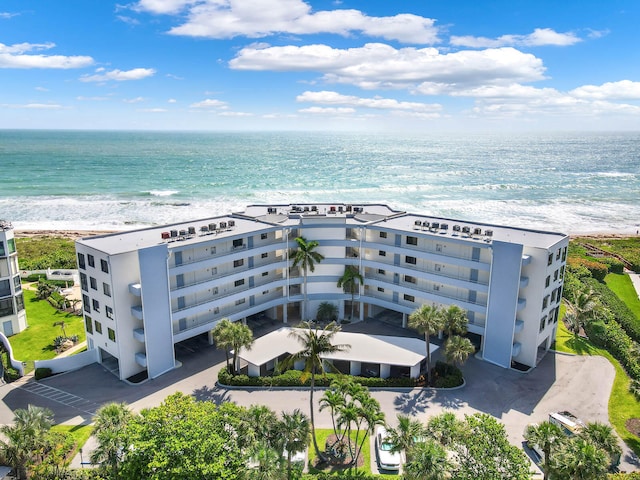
(13,318)
(146,290)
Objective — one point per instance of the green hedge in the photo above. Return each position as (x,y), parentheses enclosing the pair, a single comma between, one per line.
(615,265)
(614,339)
(41,373)
(625,317)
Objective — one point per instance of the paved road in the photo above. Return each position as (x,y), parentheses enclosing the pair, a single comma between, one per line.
(560,382)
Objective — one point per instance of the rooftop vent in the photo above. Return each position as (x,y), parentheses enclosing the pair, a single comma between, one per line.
(165,235)
(213,227)
(456,228)
(435,225)
(192,230)
(444,226)
(417,224)
(204,229)
(466,230)
(174,233)
(477,231)
(223,225)
(488,233)
(232,223)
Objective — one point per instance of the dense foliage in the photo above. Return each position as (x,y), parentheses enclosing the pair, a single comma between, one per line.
(40,253)
(618,309)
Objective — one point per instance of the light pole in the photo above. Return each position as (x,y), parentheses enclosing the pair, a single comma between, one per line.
(81,459)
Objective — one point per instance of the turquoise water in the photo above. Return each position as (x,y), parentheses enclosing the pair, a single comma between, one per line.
(582,182)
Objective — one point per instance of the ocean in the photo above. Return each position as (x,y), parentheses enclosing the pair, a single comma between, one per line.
(565,182)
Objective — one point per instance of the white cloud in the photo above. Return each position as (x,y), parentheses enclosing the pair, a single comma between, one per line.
(35,106)
(210,103)
(235,114)
(172,100)
(378,65)
(91,99)
(16,56)
(42,89)
(7,15)
(261,18)
(379,103)
(624,89)
(134,100)
(539,37)
(328,110)
(152,110)
(118,75)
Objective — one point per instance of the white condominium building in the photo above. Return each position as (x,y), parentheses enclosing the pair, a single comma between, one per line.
(146,290)
(13,318)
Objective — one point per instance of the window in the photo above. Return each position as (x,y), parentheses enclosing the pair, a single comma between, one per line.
(85,304)
(104,266)
(94,283)
(214,291)
(98,327)
(238,263)
(216,310)
(556,314)
(2,251)
(81,263)
(214,271)
(436,287)
(381,272)
(237,283)
(545,302)
(109,312)
(91,260)
(263,236)
(264,274)
(237,243)
(437,267)
(5,288)
(438,247)
(412,240)
(20,302)
(411,260)
(213,250)
(543,321)
(266,292)
(106,289)
(240,301)
(553,295)
(380,289)
(112,334)
(547,281)
(6,307)
(409,298)
(11,244)
(96,305)
(562,272)
(564,254)
(383,234)
(550,259)
(555,275)
(558,254)
(83,282)
(265,254)
(410,279)
(88,324)
(382,253)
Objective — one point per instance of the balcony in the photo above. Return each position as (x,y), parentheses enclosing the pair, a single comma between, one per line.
(524,281)
(137,312)
(141,359)
(138,334)
(519,326)
(521,304)
(515,351)
(135,289)
(526,260)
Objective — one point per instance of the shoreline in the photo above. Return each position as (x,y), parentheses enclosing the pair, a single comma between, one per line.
(75,234)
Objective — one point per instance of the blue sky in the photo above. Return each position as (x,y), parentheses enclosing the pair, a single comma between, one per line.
(374,65)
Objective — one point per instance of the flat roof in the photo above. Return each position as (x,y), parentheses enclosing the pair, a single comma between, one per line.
(400,351)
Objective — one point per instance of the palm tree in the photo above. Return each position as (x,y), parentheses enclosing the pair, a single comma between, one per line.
(269,464)
(306,257)
(349,281)
(580,459)
(295,434)
(62,325)
(327,312)
(241,337)
(457,349)
(108,427)
(314,343)
(583,308)
(222,336)
(25,437)
(406,435)
(429,462)
(601,435)
(264,425)
(455,320)
(428,320)
(445,428)
(333,399)
(546,436)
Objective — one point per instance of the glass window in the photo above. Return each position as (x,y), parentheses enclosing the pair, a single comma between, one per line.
(6,307)
(238,263)
(410,279)
(412,240)
(94,283)
(265,254)
(550,259)
(545,302)
(411,260)
(564,254)
(91,260)
(2,251)
(555,275)
(5,288)
(96,305)
(83,282)
(409,298)
(237,283)
(264,274)
(263,236)
(81,263)
(380,289)
(438,247)
(547,281)
(106,289)
(88,324)
(109,312)
(98,327)
(86,304)
(237,243)
(11,244)
(112,334)
(382,253)
(383,234)
(381,272)
(240,301)
(104,266)
(17,284)
(20,302)
(543,321)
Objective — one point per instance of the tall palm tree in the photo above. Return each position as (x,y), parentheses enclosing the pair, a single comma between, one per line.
(332,399)
(601,435)
(295,434)
(349,281)
(25,437)
(268,464)
(264,425)
(427,319)
(62,326)
(307,257)
(222,336)
(547,437)
(241,337)
(584,307)
(445,428)
(580,459)
(429,462)
(457,349)
(455,320)
(108,427)
(315,343)
(406,435)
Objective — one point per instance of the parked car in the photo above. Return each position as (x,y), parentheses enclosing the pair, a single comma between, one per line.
(387,460)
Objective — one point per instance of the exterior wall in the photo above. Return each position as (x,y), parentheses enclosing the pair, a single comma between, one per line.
(13,317)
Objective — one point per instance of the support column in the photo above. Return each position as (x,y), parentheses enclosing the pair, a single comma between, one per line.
(415,371)
(355,368)
(385,370)
(210,337)
(254,370)
(404,320)
(361,310)
(285,311)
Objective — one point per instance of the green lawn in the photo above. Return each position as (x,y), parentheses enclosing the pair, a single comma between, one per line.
(36,342)
(622,404)
(622,286)
(79,433)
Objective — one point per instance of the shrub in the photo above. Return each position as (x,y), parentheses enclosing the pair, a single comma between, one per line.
(446,375)
(625,317)
(614,265)
(613,338)
(41,373)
